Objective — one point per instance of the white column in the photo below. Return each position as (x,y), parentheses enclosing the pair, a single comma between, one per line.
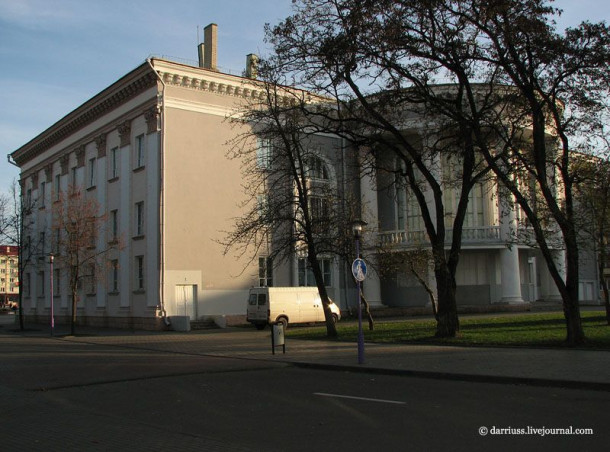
(552,292)
(370,214)
(511,279)
(372,286)
(509,257)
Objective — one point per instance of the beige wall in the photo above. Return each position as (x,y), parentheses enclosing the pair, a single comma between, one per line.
(202,192)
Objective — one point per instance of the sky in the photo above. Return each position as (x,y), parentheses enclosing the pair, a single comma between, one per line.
(57,54)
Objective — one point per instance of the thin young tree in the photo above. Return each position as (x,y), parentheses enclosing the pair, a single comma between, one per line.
(77,223)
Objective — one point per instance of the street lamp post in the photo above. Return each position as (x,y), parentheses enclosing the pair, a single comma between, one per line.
(51,257)
(359,275)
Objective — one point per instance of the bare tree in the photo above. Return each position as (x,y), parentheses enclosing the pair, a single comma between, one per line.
(15,227)
(364,55)
(592,196)
(294,205)
(77,222)
(524,92)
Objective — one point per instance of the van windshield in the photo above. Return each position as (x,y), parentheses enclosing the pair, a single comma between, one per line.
(252,299)
(262,299)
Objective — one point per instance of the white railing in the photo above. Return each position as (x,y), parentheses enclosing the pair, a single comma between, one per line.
(470,235)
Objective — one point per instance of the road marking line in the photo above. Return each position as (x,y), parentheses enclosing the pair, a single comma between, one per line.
(323,394)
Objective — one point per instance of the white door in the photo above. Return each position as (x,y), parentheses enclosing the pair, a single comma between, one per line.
(185,301)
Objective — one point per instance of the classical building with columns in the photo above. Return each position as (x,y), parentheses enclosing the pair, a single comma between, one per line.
(151,151)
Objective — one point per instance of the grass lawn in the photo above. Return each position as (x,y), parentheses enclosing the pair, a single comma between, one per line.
(532,330)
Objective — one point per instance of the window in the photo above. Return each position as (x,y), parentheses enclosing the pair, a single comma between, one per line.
(73,176)
(139,283)
(316,169)
(265,272)
(139,219)
(114,225)
(27,285)
(57,186)
(42,242)
(56,281)
(41,283)
(319,208)
(57,241)
(114,276)
(139,152)
(91,289)
(92,174)
(114,163)
(306,277)
(28,198)
(263,153)
(43,193)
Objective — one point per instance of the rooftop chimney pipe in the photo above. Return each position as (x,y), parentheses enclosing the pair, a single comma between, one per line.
(209,41)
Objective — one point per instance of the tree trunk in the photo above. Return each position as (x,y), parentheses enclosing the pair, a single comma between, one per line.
(604,285)
(73,320)
(448,324)
(571,305)
(367,311)
(571,312)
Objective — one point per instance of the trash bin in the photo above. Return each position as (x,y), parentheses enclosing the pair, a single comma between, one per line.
(277,337)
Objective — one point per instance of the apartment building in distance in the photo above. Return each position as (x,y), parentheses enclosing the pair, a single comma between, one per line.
(9,275)
(151,150)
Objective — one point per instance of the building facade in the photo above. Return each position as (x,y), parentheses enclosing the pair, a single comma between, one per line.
(151,151)
(9,276)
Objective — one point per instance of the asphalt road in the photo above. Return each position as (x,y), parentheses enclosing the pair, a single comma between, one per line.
(62,396)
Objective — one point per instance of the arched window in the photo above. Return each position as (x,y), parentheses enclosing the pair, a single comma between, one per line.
(315,168)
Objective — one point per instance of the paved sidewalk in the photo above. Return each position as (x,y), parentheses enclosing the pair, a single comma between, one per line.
(586,369)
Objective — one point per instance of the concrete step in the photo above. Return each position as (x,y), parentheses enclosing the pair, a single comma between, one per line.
(206,324)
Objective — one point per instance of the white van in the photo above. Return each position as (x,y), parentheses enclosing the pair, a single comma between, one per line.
(285,305)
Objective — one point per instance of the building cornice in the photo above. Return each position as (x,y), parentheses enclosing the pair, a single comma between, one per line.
(124,89)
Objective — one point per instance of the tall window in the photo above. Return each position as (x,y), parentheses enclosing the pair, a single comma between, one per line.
(265,272)
(114,162)
(139,152)
(41,283)
(91,173)
(316,169)
(57,186)
(27,285)
(306,277)
(139,267)
(139,219)
(475,210)
(56,281)
(43,193)
(114,225)
(263,153)
(91,289)
(114,276)
(42,242)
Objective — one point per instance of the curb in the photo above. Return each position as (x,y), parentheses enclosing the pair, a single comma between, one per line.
(495,379)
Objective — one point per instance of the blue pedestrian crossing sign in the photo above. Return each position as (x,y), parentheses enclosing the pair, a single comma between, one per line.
(359,269)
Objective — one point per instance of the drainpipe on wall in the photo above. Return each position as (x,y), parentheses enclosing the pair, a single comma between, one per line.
(161,109)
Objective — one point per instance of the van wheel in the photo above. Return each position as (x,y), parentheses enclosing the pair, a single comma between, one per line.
(335,318)
(259,326)
(283,321)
